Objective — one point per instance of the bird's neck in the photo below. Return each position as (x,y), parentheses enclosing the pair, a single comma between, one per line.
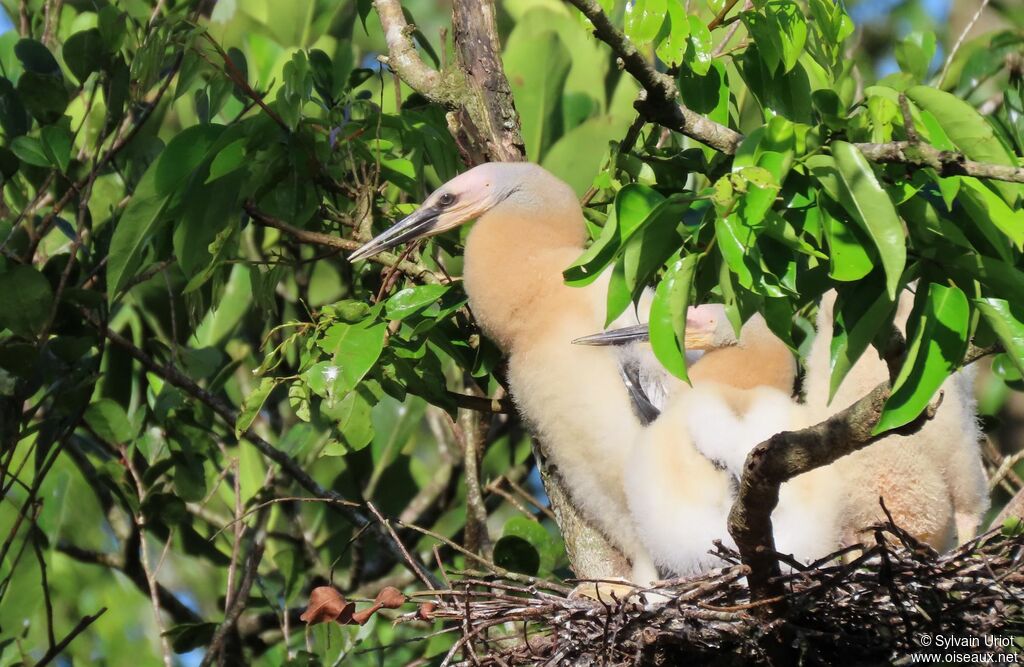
(513,273)
(761,359)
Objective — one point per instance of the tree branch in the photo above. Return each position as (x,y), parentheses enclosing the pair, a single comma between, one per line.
(411,269)
(661,104)
(946,163)
(789,454)
(402,55)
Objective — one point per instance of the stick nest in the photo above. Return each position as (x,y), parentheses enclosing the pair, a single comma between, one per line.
(865,605)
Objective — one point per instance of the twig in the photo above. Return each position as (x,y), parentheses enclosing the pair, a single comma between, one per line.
(79,628)
(946,163)
(960,40)
(140,522)
(661,104)
(240,600)
(411,269)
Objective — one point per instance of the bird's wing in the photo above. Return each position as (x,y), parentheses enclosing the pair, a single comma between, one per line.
(646,380)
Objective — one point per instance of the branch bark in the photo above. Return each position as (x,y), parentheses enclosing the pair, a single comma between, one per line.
(947,163)
(482,118)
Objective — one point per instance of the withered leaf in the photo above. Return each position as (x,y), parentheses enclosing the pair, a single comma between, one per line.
(327,604)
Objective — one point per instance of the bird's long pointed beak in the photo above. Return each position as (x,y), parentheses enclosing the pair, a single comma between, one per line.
(697,337)
(622,336)
(417,225)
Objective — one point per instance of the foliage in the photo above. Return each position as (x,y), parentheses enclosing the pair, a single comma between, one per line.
(165,175)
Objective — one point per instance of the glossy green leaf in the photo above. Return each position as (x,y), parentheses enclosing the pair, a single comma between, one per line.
(860,315)
(355,348)
(968,130)
(870,206)
(353,416)
(937,339)
(668,315)
(674,33)
(699,46)
(644,19)
(252,405)
(410,300)
(26,300)
(1007,321)
(983,203)
(109,420)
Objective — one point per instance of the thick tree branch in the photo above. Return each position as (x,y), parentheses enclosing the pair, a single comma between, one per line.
(787,455)
(488,114)
(403,57)
(661,104)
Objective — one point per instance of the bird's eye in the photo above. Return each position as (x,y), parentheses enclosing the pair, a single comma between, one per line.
(447,199)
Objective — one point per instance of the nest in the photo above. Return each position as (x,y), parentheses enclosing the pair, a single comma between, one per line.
(877,604)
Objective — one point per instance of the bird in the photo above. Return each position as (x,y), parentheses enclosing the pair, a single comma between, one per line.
(530,227)
(741,395)
(932,482)
(590,407)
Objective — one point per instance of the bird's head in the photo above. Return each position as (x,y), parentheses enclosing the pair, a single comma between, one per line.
(470,195)
(707,328)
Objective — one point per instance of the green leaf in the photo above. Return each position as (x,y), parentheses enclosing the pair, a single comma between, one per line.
(871,208)
(914,53)
(57,143)
(968,130)
(699,46)
(44,95)
(26,300)
(537,69)
(14,118)
(36,58)
(538,537)
(355,347)
(136,226)
(252,404)
(860,315)
(183,155)
(228,159)
(983,203)
(84,53)
(353,415)
(644,19)
(1007,322)
(517,554)
(30,150)
(674,33)
(143,218)
(668,315)
(937,333)
(410,300)
(108,419)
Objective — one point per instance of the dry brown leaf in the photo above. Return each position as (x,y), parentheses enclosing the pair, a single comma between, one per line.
(326,604)
(390,597)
